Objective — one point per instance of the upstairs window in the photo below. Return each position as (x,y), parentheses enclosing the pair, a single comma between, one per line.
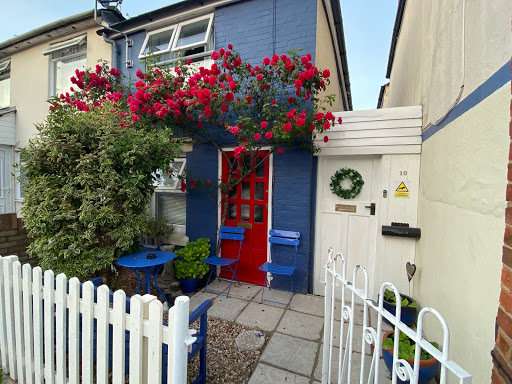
(5,83)
(191,39)
(65,58)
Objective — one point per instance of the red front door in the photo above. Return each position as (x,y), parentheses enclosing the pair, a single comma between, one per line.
(248,208)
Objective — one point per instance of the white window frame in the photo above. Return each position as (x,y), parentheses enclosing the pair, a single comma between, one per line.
(60,46)
(17,173)
(5,66)
(148,35)
(193,45)
(5,74)
(178,228)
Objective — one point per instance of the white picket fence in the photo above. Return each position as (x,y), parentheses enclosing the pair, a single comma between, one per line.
(48,331)
(340,292)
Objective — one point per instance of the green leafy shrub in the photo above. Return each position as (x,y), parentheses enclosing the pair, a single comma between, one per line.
(89,180)
(159,227)
(406,347)
(390,297)
(189,264)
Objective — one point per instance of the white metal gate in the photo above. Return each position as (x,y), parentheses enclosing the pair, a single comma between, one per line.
(338,288)
(53,330)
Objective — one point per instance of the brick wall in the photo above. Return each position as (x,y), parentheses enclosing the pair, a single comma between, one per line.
(13,238)
(502,353)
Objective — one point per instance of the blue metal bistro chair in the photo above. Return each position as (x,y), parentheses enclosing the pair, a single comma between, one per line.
(278,237)
(225,234)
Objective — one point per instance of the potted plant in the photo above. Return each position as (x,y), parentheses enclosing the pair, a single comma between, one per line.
(158,229)
(409,307)
(429,366)
(188,264)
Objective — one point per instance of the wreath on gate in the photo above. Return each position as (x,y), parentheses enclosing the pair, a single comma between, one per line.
(346,173)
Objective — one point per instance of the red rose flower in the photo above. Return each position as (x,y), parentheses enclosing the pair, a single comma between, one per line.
(329,116)
(266,61)
(326,139)
(264,124)
(135,118)
(280,151)
(319,116)
(259,77)
(287,127)
(326,73)
(215,55)
(300,121)
(230,46)
(268,135)
(340,120)
(291,100)
(257,136)
(230,96)
(327,125)
(298,84)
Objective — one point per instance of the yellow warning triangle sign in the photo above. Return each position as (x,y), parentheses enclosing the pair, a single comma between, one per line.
(402,188)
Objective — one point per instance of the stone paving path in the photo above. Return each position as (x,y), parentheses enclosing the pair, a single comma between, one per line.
(293,353)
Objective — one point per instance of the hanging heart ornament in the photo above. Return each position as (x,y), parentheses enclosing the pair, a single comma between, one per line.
(411,270)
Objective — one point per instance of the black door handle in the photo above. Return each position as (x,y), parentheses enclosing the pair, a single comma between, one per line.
(372,208)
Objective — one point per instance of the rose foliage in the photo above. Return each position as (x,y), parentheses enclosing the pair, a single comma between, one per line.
(90,170)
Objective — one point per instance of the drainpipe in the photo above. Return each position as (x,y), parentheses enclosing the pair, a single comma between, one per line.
(128,42)
(115,52)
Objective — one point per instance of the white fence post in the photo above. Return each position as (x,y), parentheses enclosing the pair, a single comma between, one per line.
(118,337)
(178,343)
(136,336)
(146,301)
(9,316)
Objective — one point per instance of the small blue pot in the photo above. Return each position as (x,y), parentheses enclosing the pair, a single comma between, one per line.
(407,314)
(427,373)
(188,285)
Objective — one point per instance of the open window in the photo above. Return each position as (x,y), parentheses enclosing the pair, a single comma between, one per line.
(5,83)
(170,203)
(65,57)
(189,39)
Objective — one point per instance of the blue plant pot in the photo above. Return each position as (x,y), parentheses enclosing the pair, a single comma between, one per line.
(428,368)
(188,285)
(407,314)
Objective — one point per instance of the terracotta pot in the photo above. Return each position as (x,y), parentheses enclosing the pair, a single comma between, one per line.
(428,368)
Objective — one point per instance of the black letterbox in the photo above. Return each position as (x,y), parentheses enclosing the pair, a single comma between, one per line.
(401,230)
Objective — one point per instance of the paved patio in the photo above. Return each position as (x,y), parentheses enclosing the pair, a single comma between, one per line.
(293,353)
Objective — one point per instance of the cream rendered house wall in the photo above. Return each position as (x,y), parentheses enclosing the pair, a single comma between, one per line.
(325,57)
(463,166)
(30,81)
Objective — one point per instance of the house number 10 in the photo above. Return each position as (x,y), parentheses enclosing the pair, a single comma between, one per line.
(403,173)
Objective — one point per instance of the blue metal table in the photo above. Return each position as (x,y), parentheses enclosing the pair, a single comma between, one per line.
(139,262)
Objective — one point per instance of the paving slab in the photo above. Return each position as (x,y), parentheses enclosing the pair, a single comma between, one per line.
(273,295)
(260,316)
(227,309)
(291,353)
(199,298)
(355,368)
(244,291)
(357,337)
(265,374)
(311,304)
(219,286)
(301,325)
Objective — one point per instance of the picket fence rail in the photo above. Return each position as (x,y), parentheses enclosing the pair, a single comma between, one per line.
(336,292)
(57,331)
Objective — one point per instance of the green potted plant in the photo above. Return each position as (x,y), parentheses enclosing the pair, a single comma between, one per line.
(409,307)
(429,366)
(158,230)
(188,264)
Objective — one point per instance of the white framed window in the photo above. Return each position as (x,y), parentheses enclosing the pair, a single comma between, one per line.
(5,83)
(169,202)
(65,58)
(192,39)
(20,177)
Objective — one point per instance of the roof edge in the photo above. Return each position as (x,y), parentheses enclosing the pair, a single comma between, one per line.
(396,31)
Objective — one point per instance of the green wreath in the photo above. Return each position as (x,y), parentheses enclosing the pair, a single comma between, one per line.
(346,173)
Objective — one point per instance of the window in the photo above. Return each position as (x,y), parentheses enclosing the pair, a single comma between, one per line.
(65,58)
(192,39)
(170,202)
(5,83)
(21,178)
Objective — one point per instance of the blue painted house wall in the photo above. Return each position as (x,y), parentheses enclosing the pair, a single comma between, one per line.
(250,27)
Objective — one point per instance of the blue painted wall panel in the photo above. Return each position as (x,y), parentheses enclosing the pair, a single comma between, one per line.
(138,39)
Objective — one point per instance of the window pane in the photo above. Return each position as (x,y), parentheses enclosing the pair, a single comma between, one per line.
(193,33)
(232,192)
(169,179)
(258,213)
(232,211)
(258,191)
(260,171)
(64,70)
(172,207)
(158,42)
(246,191)
(5,92)
(245,212)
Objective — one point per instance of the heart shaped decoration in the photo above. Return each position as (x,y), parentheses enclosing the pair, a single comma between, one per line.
(411,270)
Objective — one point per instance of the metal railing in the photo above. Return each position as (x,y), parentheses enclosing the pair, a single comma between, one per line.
(338,288)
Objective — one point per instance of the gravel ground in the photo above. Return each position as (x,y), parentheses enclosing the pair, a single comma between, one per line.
(225,362)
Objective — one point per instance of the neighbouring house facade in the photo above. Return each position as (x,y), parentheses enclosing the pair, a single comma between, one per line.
(280,194)
(453,59)
(34,67)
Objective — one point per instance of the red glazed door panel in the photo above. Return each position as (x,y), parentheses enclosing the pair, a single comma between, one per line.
(248,208)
